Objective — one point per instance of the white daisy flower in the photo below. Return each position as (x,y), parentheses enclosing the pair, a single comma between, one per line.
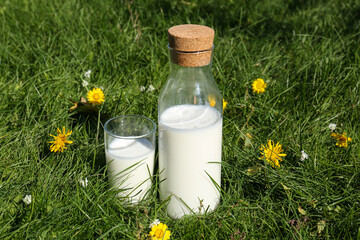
(142,88)
(151,88)
(154,223)
(304,155)
(87,74)
(83,182)
(85,83)
(27,199)
(332,126)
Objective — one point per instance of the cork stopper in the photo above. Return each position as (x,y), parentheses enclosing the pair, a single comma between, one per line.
(191,45)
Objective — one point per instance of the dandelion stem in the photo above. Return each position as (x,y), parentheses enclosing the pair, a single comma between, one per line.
(97,137)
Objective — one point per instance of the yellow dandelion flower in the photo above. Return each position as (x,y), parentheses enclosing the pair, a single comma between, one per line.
(342,139)
(60,140)
(159,232)
(249,135)
(272,154)
(96,96)
(212,100)
(258,85)
(224,104)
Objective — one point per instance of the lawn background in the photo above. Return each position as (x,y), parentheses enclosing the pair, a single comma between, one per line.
(307,51)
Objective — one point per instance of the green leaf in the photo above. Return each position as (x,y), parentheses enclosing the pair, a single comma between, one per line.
(248,142)
(320,226)
(12,208)
(18,198)
(301,211)
(338,209)
(253,170)
(285,187)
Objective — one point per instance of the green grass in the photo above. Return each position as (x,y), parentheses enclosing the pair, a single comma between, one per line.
(308,51)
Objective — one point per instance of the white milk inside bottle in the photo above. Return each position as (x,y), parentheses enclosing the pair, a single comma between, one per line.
(190,139)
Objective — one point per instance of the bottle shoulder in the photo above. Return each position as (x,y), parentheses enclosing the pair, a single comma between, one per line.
(190,87)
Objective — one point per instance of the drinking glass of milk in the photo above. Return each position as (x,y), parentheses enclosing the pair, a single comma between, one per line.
(190,124)
(130,151)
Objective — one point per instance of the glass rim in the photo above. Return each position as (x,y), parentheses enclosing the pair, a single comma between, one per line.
(130,137)
(191,52)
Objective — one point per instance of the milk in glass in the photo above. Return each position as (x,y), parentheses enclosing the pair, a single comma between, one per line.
(131,164)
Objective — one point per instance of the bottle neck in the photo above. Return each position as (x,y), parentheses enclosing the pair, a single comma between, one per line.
(190,81)
(191,59)
(176,67)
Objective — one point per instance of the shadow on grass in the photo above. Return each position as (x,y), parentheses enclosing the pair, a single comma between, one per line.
(94,138)
(269,20)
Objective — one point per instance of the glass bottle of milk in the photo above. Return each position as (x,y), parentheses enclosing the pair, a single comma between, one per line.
(190,124)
